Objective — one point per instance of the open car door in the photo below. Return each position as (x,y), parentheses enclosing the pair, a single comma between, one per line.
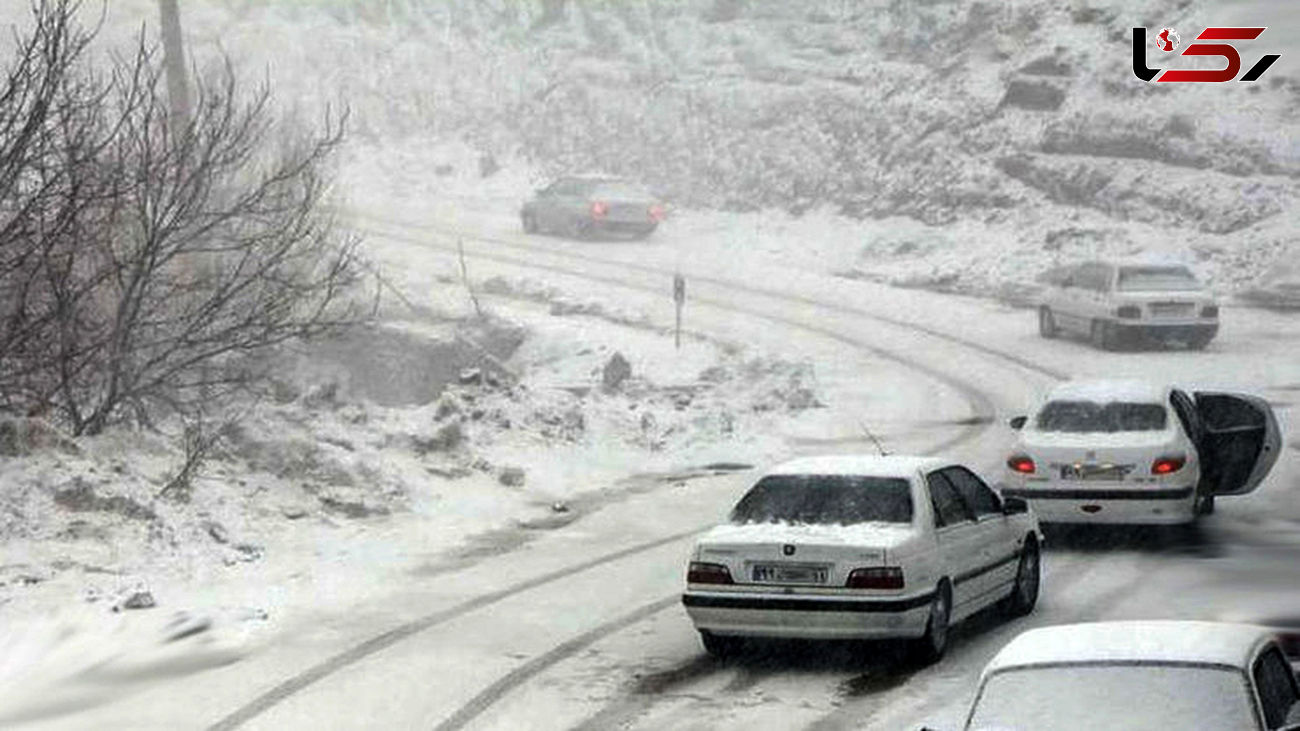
(1240,444)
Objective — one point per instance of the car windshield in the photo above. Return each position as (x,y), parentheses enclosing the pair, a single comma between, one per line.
(825,500)
(1090,416)
(1157,278)
(1113,697)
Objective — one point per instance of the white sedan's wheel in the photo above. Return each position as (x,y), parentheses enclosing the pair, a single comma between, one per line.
(930,647)
(1046,323)
(718,645)
(1024,594)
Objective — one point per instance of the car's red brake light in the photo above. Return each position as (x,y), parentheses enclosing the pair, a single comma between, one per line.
(1129,312)
(1168,465)
(658,213)
(1021,463)
(599,209)
(708,573)
(882,577)
(1210,311)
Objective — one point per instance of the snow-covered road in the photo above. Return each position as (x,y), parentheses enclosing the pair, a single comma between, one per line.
(583,627)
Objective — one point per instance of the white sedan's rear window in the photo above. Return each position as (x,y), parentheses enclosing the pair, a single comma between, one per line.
(826,500)
(1114,697)
(1157,279)
(1090,416)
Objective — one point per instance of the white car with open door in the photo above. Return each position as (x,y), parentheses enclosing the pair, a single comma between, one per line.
(1138,676)
(849,547)
(1132,452)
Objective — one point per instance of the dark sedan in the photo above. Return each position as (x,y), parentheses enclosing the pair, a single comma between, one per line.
(588,206)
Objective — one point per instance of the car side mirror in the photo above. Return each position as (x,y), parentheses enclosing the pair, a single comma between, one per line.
(1014,506)
(1018,422)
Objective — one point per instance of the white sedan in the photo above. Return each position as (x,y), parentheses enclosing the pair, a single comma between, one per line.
(1138,676)
(1131,452)
(846,547)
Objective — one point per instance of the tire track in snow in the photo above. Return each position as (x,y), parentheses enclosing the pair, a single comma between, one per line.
(982,419)
(522,674)
(358,652)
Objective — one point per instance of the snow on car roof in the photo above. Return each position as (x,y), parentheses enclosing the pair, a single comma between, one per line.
(1148,640)
(867,465)
(1102,391)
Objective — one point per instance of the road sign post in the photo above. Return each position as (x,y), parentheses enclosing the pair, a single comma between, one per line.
(679,298)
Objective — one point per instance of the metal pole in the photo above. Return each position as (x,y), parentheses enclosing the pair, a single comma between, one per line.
(178,89)
(677,333)
(679,299)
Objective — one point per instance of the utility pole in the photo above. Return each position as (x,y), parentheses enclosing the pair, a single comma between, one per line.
(178,89)
(178,94)
(679,299)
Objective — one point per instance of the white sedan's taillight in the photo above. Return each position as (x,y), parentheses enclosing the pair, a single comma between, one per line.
(708,573)
(1168,465)
(1022,463)
(879,577)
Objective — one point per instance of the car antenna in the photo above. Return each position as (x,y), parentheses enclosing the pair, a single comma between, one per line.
(873,439)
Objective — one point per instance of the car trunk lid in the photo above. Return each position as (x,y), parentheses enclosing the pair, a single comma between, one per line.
(806,555)
(1097,457)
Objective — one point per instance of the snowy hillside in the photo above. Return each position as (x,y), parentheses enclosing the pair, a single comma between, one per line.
(1015,131)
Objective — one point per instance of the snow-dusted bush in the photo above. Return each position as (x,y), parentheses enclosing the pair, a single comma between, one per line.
(145,245)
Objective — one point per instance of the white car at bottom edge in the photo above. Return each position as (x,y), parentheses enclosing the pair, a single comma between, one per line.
(1147,675)
(849,547)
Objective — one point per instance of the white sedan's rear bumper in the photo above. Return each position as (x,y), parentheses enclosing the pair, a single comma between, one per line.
(1108,504)
(807,616)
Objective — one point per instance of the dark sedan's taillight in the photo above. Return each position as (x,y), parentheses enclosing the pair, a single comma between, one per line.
(882,577)
(599,209)
(708,573)
(1210,311)
(1129,312)
(657,213)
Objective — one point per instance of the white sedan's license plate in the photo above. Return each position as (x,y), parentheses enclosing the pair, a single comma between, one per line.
(1111,473)
(788,574)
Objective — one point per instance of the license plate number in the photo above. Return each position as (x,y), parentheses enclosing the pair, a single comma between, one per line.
(1172,309)
(781,574)
(1086,472)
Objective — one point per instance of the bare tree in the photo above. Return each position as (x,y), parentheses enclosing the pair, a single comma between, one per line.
(52,129)
(142,260)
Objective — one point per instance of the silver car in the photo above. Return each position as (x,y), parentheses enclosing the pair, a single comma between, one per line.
(587,206)
(1117,303)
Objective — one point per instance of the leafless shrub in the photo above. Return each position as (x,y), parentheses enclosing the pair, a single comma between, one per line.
(143,257)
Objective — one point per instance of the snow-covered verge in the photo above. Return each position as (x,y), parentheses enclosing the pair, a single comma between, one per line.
(418,443)
(968,145)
